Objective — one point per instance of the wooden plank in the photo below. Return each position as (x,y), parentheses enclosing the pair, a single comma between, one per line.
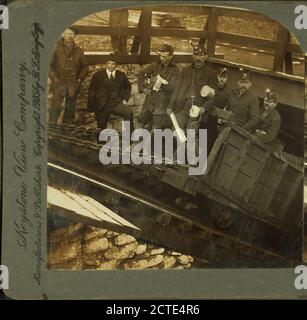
(243,14)
(146,31)
(216,149)
(177,33)
(212,30)
(135,59)
(245,40)
(106,30)
(215,192)
(291,195)
(185,9)
(253,42)
(275,183)
(202,10)
(234,170)
(253,182)
(289,62)
(85,206)
(235,39)
(203,38)
(137,39)
(280,48)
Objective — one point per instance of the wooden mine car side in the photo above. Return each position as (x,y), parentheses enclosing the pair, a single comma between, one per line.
(247,177)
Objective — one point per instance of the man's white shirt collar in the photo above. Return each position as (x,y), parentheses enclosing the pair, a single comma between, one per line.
(109,73)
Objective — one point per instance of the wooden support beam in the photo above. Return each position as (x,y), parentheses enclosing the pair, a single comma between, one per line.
(106,30)
(184,34)
(137,39)
(280,48)
(289,62)
(212,31)
(135,59)
(177,33)
(146,31)
(203,39)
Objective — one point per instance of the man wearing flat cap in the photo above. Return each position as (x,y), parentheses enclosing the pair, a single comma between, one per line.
(109,93)
(269,122)
(243,104)
(157,81)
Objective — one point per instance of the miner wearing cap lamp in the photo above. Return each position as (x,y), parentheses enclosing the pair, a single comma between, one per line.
(186,101)
(243,104)
(157,81)
(269,122)
(222,91)
(217,96)
(68,68)
(216,99)
(109,93)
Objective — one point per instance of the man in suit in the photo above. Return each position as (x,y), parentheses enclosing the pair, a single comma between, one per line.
(269,123)
(68,68)
(109,93)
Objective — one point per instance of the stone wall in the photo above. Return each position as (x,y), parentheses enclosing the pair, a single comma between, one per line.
(80,247)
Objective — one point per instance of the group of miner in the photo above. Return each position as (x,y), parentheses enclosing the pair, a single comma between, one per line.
(196,95)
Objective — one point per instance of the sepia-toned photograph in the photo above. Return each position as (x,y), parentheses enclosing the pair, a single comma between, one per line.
(176,141)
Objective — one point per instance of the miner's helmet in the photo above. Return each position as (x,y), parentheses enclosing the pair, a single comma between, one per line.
(244,75)
(270,96)
(198,50)
(222,72)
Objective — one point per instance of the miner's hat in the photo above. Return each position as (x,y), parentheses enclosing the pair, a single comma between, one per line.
(198,50)
(222,72)
(270,95)
(245,75)
(114,57)
(166,48)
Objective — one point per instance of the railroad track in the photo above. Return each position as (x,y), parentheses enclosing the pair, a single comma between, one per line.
(143,200)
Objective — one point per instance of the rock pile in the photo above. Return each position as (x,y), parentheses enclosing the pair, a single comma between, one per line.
(80,247)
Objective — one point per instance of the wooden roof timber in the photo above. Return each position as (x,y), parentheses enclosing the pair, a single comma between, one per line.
(183,33)
(204,10)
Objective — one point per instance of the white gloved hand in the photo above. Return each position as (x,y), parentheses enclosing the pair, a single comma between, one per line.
(158,83)
(194,111)
(207,92)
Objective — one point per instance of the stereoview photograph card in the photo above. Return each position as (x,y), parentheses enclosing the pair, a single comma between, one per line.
(158,141)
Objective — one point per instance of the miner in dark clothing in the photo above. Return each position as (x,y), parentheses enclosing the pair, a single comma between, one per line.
(109,93)
(269,123)
(157,81)
(68,68)
(186,102)
(217,99)
(188,87)
(243,104)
